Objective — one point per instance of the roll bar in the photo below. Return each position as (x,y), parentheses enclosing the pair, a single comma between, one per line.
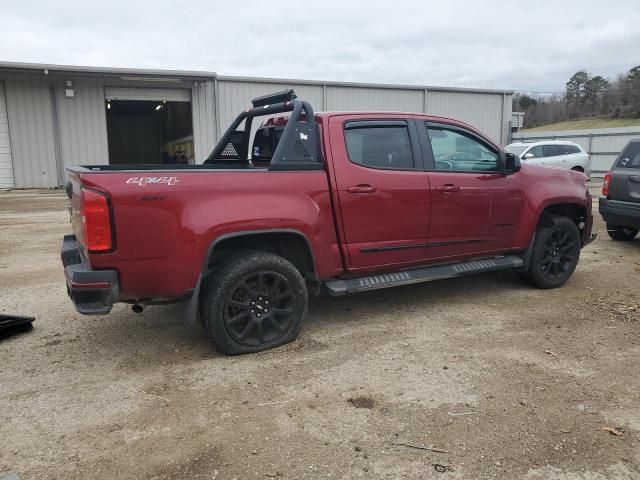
(298,147)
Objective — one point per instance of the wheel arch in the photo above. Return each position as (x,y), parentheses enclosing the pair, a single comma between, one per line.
(253,239)
(270,240)
(577,212)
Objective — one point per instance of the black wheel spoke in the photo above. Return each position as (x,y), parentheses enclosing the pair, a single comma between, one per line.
(238,317)
(563,237)
(260,328)
(275,323)
(247,329)
(247,289)
(238,304)
(261,284)
(282,311)
(282,295)
(275,287)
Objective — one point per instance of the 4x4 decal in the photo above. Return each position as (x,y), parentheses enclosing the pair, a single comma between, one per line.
(142,181)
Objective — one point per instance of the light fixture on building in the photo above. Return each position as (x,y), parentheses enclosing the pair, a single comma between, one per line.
(108,105)
(68,91)
(159,107)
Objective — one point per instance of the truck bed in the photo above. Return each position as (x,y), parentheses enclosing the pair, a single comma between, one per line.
(158,167)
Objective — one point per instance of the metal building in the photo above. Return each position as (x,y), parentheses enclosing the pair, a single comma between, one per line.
(52,116)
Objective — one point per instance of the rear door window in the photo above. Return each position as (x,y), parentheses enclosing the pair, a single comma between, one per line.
(551,150)
(379,144)
(630,157)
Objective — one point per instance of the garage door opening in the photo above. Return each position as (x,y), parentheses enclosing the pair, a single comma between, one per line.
(149,132)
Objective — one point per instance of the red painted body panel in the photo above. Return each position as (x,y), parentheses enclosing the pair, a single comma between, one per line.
(163,231)
(395,214)
(545,186)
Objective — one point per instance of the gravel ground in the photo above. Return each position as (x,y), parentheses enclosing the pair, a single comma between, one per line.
(504,380)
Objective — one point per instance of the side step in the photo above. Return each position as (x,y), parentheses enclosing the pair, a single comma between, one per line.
(426,274)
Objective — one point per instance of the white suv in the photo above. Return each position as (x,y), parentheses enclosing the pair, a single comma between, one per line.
(553,153)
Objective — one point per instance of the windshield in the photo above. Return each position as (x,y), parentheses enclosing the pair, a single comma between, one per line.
(516,149)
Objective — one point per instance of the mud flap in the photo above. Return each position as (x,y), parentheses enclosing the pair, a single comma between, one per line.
(191,310)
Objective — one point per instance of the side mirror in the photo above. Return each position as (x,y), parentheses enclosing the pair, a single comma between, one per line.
(528,156)
(512,163)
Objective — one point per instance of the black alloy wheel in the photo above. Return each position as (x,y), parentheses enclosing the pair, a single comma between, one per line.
(555,254)
(259,309)
(253,301)
(559,254)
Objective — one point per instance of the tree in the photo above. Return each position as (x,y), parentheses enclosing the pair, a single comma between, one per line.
(634,75)
(631,95)
(523,102)
(585,96)
(575,86)
(595,87)
(526,102)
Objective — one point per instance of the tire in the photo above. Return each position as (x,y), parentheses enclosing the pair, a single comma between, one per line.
(622,234)
(255,301)
(556,251)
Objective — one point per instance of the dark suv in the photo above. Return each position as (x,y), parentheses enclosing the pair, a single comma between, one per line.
(620,201)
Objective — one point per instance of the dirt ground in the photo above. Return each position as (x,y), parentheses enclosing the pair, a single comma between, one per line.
(505,380)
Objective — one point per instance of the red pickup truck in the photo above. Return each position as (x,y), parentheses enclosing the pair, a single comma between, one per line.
(325,203)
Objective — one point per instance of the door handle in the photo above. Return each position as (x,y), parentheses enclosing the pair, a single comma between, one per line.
(448,188)
(362,189)
(635,178)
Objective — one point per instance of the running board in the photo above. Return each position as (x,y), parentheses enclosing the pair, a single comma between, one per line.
(372,282)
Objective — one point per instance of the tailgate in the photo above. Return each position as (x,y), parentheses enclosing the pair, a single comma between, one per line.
(625,176)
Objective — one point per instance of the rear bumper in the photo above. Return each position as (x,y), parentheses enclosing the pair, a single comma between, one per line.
(620,214)
(93,292)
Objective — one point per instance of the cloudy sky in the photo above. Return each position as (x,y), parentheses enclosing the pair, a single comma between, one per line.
(522,45)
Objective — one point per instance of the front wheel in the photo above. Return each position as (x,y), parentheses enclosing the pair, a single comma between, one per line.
(623,234)
(556,251)
(254,302)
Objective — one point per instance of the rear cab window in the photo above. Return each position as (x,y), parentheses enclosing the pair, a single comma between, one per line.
(384,144)
(630,157)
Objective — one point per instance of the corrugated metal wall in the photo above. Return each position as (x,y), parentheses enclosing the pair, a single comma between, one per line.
(82,123)
(6,164)
(31,129)
(385,99)
(50,131)
(203,98)
(604,144)
(484,111)
(488,111)
(235,96)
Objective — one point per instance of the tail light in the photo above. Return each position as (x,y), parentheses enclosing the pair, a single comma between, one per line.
(606,184)
(96,221)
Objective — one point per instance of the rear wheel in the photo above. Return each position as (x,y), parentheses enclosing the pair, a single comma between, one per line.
(254,302)
(556,251)
(623,234)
